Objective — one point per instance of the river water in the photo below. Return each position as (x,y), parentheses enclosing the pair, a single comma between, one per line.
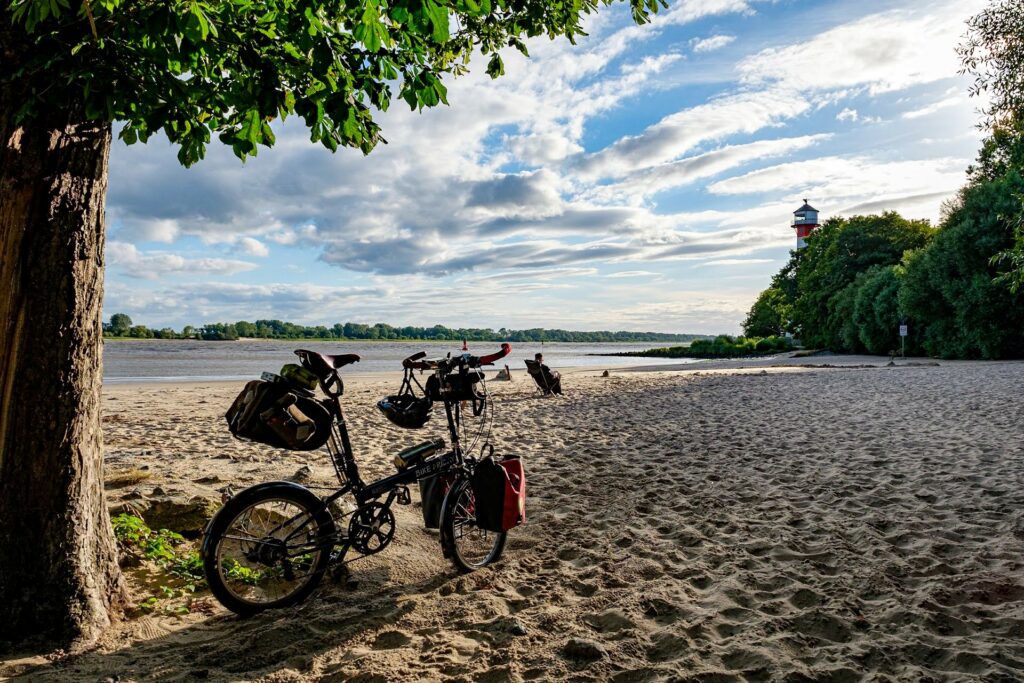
(183,360)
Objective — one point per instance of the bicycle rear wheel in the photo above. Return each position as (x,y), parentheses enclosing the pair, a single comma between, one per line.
(468,546)
(268,547)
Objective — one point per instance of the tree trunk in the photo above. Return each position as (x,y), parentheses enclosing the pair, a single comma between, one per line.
(59,578)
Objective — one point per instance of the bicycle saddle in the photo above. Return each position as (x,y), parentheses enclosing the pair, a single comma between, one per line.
(323,363)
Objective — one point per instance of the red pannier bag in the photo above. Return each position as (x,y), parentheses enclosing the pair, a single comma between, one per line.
(499,493)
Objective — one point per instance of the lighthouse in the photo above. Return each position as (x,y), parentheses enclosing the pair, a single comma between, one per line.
(805,221)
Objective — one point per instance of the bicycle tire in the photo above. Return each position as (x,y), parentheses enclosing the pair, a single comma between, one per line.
(456,521)
(286,492)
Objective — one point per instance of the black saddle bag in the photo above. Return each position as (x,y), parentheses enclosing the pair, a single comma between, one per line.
(273,414)
(462,386)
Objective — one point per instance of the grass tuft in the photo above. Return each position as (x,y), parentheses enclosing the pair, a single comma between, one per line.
(121,478)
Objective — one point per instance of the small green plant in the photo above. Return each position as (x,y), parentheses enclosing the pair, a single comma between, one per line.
(188,567)
(134,535)
(129,529)
(235,571)
(163,548)
(150,604)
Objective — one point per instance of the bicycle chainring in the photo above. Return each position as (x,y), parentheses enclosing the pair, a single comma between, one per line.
(371,528)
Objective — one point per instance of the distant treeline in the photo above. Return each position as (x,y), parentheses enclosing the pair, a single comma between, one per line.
(722,346)
(959,287)
(121,325)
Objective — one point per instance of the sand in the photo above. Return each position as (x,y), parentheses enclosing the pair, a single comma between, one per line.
(733,521)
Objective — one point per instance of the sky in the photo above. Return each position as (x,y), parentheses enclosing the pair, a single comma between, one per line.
(643,179)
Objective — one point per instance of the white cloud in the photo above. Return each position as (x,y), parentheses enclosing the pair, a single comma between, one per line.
(735,262)
(883,52)
(852,115)
(656,179)
(204,302)
(127,259)
(253,247)
(711,43)
(679,133)
(631,273)
(860,180)
(934,107)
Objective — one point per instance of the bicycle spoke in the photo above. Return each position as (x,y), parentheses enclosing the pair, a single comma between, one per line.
(475,546)
(269,552)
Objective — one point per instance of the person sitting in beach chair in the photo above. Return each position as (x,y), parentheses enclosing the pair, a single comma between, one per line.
(548,380)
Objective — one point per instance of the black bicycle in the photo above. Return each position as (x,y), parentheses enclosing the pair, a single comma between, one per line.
(271,544)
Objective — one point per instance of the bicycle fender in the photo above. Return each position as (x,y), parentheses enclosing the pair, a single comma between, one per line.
(444,507)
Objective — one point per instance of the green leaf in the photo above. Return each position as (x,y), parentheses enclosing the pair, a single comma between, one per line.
(251,130)
(197,27)
(129,135)
(495,67)
(438,15)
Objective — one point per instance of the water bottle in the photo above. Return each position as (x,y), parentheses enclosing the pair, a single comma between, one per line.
(414,455)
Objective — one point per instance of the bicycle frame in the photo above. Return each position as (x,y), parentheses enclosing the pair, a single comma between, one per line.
(339,447)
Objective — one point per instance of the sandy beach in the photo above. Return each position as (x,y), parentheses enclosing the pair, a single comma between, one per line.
(754,521)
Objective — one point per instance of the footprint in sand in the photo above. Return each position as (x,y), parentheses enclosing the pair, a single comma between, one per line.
(666,646)
(609,621)
(660,611)
(391,640)
(805,598)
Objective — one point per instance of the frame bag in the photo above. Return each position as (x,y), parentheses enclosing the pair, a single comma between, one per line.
(268,412)
(432,492)
(499,493)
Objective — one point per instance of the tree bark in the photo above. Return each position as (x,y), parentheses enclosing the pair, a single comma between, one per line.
(59,578)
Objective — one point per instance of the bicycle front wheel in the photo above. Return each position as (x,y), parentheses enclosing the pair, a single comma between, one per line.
(466,544)
(268,547)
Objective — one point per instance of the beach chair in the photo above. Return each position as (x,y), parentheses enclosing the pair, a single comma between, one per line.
(547,383)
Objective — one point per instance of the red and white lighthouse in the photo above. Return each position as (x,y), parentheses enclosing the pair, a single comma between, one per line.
(805,221)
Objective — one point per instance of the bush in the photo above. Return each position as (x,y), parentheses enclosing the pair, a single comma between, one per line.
(723,346)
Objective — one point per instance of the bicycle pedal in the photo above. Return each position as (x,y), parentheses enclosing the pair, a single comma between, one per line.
(404,497)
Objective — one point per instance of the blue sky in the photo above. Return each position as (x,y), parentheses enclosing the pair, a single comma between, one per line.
(643,179)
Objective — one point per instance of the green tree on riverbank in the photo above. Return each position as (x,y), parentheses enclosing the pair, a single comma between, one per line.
(961,289)
(277,329)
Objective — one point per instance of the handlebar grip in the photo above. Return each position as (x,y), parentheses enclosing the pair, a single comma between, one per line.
(410,362)
(506,349)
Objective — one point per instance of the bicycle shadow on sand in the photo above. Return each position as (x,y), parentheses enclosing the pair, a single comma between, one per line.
(287,642)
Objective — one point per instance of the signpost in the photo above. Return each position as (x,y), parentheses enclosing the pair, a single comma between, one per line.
(903,337)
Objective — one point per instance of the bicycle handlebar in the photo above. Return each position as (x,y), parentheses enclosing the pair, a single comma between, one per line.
(489,359)
(410,362)
(413,362)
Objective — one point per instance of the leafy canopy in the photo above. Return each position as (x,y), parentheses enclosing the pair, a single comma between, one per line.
(769,315)
(192,68)
(836,254)
(951,288)
(993,52)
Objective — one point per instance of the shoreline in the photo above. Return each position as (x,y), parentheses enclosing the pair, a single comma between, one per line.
(308,340)
(691,366)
